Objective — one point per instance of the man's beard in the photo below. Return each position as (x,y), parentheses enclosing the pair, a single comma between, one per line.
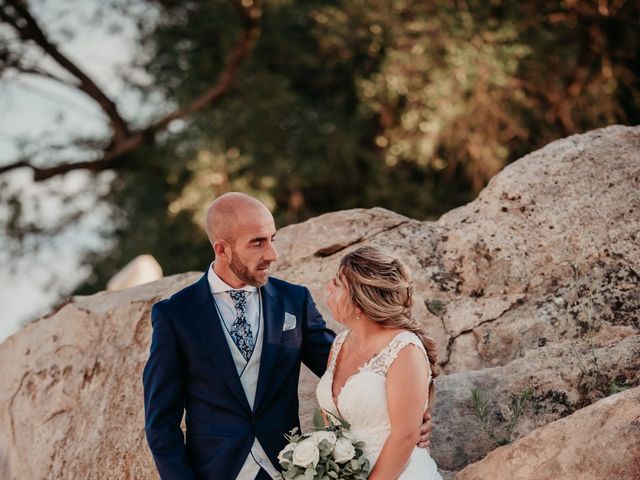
(243,273)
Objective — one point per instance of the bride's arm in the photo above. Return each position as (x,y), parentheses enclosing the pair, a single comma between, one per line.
(406,397)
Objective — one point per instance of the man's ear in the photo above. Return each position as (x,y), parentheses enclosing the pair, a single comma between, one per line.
(221,249)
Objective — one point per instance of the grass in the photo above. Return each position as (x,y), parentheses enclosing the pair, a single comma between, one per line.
(482,411)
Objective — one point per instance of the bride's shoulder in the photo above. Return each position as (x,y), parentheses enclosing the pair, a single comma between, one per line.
(405,352)
(403,338)
(402,335)
(398,339)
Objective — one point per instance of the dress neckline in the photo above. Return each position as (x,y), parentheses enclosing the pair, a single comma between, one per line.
(334,363)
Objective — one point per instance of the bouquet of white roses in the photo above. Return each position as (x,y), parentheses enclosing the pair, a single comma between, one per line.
(326,453)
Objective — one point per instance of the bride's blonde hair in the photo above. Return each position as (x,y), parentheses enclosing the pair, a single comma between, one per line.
(380,285)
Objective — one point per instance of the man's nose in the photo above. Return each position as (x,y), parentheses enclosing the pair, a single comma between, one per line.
(272,253)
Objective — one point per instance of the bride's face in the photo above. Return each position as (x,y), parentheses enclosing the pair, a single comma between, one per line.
(339,300)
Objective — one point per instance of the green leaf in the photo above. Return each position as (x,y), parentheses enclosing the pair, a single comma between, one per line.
(290,474)
(318,419)
(309,473)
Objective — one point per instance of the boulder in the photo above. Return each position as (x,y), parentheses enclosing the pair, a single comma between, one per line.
(72,398)
(533,286)
(546,261)
(601,441)
(559,381)
(142,269)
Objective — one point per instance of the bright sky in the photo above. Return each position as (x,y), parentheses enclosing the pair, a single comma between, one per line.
(30,108)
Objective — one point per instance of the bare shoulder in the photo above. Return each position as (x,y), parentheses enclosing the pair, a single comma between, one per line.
(411,352)
(410,358)
(408,368)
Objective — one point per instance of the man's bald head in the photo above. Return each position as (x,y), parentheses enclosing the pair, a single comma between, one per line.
(227,211)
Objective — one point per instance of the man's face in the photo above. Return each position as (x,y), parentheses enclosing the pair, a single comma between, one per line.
(253,251)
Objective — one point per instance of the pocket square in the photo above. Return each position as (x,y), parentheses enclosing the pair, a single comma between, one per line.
(289,322)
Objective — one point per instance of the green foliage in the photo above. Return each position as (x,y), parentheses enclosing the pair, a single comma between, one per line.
(435,306)
(411,106)
(482,411)
(615,387)
(318,419)
(332,461)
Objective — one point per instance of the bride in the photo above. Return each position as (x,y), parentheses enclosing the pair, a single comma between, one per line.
(380,370)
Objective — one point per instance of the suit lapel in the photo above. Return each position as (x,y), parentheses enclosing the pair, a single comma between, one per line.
(209,327)
(273,313)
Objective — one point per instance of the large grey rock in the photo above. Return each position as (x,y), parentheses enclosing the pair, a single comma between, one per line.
(142,269)
(533,285)
(547,257)
(561,378)
(71,389)
(599,442)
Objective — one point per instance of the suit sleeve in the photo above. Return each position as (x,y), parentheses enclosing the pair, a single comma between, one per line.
(163,381)
(317,338)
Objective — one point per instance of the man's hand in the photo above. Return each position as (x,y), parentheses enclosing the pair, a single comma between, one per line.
(425,431)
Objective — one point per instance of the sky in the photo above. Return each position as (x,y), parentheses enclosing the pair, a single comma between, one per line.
(32,109)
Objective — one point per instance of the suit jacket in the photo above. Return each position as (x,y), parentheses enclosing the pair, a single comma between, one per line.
(190,369)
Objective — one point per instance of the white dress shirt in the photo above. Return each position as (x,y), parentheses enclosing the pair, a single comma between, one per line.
(248,371)
(226,308)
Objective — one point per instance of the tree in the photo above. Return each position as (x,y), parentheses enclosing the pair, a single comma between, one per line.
(337,104)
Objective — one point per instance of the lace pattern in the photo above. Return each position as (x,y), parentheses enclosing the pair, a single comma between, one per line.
(382,361)
(335,348)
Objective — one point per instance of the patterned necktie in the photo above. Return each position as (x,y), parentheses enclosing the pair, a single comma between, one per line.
(240,328)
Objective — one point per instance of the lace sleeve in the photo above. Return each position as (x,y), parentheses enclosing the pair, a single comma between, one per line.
(335,348)
(383,362)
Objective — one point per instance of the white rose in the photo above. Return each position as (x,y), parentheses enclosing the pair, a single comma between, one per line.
(288,448)
(322,435)
(343,451)
(306,453)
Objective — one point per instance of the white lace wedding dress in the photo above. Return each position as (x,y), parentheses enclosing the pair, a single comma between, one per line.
(362,402)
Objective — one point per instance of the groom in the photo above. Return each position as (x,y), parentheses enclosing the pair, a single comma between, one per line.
(227,351)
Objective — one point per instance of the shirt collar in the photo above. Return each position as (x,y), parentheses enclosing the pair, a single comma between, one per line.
(217,285)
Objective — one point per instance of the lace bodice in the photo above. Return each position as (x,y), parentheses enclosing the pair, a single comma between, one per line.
(380,362)
(362,401)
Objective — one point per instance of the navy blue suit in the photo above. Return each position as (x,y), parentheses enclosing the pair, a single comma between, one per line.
(190,368)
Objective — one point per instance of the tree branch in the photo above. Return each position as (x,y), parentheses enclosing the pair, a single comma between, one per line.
(44,173)
(14,63)
(28,29)
(123,141)
(251,16)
